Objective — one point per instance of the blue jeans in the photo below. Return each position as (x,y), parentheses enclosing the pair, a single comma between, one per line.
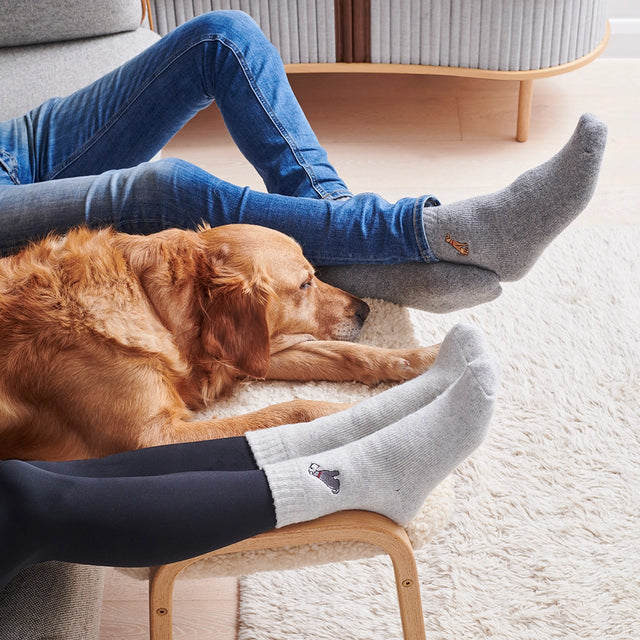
(83,159)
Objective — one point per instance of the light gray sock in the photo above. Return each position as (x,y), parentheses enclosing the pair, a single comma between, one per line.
(462,344)
(507,231)
(393,470)
(436,287)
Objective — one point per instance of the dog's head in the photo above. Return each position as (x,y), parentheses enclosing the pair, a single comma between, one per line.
(257,287)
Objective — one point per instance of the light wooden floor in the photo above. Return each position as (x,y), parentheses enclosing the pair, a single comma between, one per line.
(405,136)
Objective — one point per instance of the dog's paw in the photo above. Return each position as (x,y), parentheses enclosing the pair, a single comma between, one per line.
(397,365)
(413,362)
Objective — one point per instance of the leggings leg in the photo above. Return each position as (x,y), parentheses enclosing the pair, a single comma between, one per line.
(225,454)
(125,521)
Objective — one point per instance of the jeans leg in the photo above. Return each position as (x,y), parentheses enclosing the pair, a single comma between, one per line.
(365,229)
(127,116)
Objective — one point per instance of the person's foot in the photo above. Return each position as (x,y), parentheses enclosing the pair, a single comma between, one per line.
(462,344)
(505,232)
(436,287)
(393,470)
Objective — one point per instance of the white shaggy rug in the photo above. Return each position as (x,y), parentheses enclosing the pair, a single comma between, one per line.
(544,538)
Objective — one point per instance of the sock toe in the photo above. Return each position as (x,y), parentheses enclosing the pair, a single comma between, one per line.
(469,340)
(486,370)
(592,132)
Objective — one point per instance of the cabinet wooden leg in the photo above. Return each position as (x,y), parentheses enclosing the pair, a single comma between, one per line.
(524,110)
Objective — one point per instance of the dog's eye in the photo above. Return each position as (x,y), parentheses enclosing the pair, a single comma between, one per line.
(306,284)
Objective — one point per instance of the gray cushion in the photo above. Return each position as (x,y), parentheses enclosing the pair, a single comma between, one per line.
(32,74)
(52,601)
(35,21)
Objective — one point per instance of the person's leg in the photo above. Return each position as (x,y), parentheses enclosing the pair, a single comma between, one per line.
(80,512)
(361,230)
(173,193)
(127,116)
(224,454)
(462,344)
(125,521)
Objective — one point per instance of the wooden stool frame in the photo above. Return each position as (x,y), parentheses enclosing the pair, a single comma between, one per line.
(360,526)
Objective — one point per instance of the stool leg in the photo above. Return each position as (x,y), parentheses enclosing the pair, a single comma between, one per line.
(408,587)
(161,584)
(524,110)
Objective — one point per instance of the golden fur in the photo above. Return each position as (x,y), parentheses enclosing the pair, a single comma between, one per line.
(110,341)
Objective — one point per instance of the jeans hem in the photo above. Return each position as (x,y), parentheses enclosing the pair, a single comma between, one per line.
(418,227)
(338,194)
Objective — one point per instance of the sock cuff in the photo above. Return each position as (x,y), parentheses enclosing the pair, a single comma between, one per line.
(290,493)
(267,446)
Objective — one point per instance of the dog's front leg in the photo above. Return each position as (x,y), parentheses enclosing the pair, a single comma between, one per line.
(180,430)
(346,361)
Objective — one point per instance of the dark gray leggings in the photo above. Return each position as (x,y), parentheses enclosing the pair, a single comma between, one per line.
(140,508)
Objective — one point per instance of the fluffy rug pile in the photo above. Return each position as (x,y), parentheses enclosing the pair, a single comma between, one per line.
(543,540)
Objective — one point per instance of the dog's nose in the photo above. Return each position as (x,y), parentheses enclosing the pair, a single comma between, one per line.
(362,311)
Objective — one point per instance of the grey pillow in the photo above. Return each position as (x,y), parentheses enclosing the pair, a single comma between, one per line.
(38,21)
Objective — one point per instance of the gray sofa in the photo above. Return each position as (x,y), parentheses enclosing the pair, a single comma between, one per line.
(51,48)
(52,601)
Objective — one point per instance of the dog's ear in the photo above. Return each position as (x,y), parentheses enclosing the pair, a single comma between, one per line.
(234,325)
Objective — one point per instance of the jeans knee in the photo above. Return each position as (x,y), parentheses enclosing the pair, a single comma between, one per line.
(161,176)
(228,24)
(152,196)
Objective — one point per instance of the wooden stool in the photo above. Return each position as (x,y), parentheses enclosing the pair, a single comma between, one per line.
(361,526)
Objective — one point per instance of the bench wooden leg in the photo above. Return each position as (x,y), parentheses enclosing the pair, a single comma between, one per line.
(524,110)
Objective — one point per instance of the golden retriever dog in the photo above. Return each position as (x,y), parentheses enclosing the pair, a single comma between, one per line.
(109,342)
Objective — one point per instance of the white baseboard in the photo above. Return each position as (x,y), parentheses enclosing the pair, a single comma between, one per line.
(625,38)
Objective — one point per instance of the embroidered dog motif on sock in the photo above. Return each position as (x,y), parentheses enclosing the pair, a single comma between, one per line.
(461,247)
(330,478)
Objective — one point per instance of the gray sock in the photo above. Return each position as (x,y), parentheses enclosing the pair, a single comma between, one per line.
(393,470)
(437,287)
(462,344)
(507,231)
